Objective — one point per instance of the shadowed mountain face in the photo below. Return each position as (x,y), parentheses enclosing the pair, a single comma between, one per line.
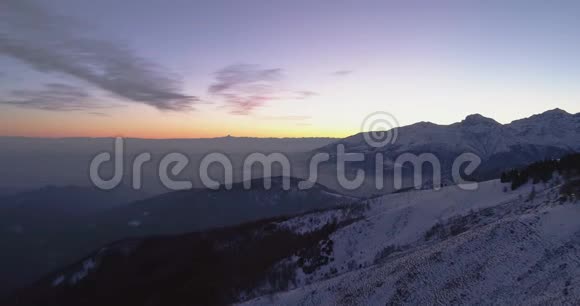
(205,208)
(63,202)
(10,191)
(44,240)
(209,268)
(31,222)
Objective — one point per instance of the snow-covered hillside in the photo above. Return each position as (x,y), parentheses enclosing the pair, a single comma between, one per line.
(490,246)
(493,245)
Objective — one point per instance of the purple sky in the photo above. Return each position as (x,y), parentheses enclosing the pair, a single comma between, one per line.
(279,68)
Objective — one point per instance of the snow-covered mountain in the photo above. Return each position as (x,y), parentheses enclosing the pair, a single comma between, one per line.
(493,245)
(548,135)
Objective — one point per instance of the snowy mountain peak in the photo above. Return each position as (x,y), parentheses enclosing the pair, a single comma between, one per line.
(546,117)
(556,111)
(477,119)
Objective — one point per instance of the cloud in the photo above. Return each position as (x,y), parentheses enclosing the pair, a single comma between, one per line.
(234,76)
(246,87)
(287,118)
(56,44)
(54,97)
(305,94)
(340,73)
(99,114)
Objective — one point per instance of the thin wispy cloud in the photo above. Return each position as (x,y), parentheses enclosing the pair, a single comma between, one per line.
(53,97)
(234,76)
(99,114)
(56,44)
(287,118)
(305,94)
(246,87)
(340,73)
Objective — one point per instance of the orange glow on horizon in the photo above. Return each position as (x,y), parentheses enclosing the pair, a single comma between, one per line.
(144,122)
(171,134)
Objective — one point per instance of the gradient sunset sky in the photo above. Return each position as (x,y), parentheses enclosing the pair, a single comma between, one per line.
(179,69)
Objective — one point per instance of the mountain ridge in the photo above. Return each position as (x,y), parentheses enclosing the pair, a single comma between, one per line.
(551,134)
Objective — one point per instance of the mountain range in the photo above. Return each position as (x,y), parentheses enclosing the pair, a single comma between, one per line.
(324,245)
(551,134)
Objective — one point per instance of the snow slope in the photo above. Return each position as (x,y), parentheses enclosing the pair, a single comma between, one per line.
(448,246)
(490,246)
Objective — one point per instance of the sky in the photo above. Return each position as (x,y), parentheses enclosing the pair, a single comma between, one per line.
(188,69)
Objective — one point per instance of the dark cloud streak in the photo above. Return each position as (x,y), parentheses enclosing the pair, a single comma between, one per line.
(53,97)
(55,44)
(99,114)
(341,73)
(287,118)
(234,76)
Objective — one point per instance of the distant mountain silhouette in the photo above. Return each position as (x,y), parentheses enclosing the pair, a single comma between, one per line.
(198,209)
